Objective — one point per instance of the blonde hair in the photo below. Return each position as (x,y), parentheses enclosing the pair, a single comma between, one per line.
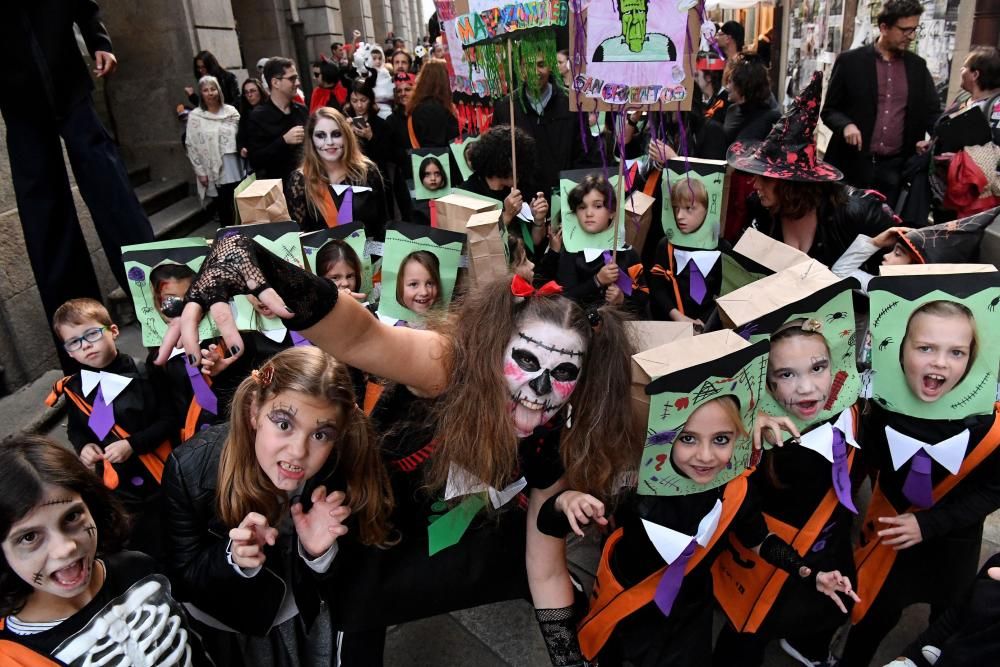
(686,191)
(946,309)
(731,407)
(357,166)
(243,487)
(80,311)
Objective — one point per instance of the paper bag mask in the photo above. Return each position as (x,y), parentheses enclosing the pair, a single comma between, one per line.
(700,188)
(754,256)
(353,236)
(262,201)
(487,248)
(403,240)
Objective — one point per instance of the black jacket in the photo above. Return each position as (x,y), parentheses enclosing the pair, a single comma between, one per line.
(750,122)
(196,548)
(837,226)
(556,133)
(267,151)
(852,98)
(43,70)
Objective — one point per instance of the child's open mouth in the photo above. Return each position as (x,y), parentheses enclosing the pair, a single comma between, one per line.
(932,384)
(71,576)
(807,408)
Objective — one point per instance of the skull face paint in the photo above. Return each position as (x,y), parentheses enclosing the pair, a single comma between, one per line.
(542,366)
(633,15)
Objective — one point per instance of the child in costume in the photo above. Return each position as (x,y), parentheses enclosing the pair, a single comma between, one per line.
(68,596)
(686,276)
(648,613)
(249,500)
(585,275)
(501,372)
(119,422)
(954,242)
(419,282)
(805,500)
(338,262)
(932,439)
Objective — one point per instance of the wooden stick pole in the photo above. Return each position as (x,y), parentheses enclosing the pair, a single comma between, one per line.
(620,210)
(510,96)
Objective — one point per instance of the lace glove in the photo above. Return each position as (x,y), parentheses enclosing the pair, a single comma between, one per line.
(237,265)
(559,631)
(780,554)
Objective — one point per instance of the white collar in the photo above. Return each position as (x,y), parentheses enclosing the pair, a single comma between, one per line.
(820,439)
(175,352)
(949,453)
(112,384)
(277,335)
(705,259)
(340,188)
(461,482)
(670,543)
(590,254)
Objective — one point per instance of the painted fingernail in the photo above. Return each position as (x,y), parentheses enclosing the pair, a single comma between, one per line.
(234,350)
(794,441)
(192,360)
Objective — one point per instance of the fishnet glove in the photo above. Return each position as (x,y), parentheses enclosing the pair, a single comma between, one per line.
(780,554)
(237,265)
(559,632)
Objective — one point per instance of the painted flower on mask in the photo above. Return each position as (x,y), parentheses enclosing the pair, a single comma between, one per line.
(542,367)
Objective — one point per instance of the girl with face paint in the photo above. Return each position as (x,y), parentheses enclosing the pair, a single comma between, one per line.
(589,276)
(63,578)
(332,158)
(809,488)
(249,502)
(677,631)
(502,372)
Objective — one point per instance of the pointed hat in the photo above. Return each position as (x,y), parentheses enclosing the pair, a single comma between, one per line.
(789,151)
(955,242)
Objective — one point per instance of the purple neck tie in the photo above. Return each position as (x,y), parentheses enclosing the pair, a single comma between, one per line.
(841,475)
(203,394)
(624,281)
(670,583)
(697,288)
(102,418)
(917,487)
(345,213)
(298,339)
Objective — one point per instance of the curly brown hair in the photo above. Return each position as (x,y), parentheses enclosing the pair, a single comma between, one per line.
(796,198)
(29,463)
(475,431)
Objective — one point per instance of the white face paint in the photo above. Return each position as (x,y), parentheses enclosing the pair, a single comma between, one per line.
(542,366)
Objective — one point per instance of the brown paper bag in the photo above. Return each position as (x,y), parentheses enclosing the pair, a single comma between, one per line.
(454,210)
(768,252)
(487,254)
(262,201)
(773,292)
(934,269)
(638,214)
(650,337)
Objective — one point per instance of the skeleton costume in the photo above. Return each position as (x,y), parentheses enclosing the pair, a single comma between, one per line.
(132,622)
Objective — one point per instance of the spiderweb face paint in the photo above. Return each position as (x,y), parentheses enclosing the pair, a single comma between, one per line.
(542,366)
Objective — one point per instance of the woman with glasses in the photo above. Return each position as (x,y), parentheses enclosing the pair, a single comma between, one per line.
(316,195)
(276,128)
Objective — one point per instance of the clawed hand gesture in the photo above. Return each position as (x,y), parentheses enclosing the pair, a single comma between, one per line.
(320,527)
(249,539)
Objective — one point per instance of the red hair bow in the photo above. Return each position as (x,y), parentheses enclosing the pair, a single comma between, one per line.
(522,288)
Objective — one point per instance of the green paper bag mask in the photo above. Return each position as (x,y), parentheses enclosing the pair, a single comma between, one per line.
(702,184)
(460,150)
(673,398)
(893,322)
(424,160)
(353,235)
(575,238)
(141,262)
(833,308)
(401,241)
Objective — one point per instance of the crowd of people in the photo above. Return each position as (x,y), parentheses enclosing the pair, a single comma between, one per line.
(283,495)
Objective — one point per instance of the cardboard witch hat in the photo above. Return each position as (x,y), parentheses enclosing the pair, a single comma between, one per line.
(789,151)
(954,242)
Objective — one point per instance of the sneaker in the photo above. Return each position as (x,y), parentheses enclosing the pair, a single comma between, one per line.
(801,659)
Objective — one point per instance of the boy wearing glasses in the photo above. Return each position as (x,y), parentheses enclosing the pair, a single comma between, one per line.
(116,420)
(276,128)
(881,103)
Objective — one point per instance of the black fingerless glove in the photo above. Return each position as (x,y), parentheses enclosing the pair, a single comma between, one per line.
(237,265)
(559,631)
(551,521)
(780,554)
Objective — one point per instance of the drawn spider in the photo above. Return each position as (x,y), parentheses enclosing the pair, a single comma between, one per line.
(833,317)
(884,344)
(993,304)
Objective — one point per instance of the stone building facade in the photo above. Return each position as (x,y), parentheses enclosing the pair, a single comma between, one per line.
(154,42)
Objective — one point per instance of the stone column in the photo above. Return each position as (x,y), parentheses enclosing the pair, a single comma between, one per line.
(263,31)
(324,23)
(401,23)
(382,20)
(357,15)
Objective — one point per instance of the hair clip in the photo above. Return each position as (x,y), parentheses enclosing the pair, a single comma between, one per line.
(263,376)
(594,317)
(812,326)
